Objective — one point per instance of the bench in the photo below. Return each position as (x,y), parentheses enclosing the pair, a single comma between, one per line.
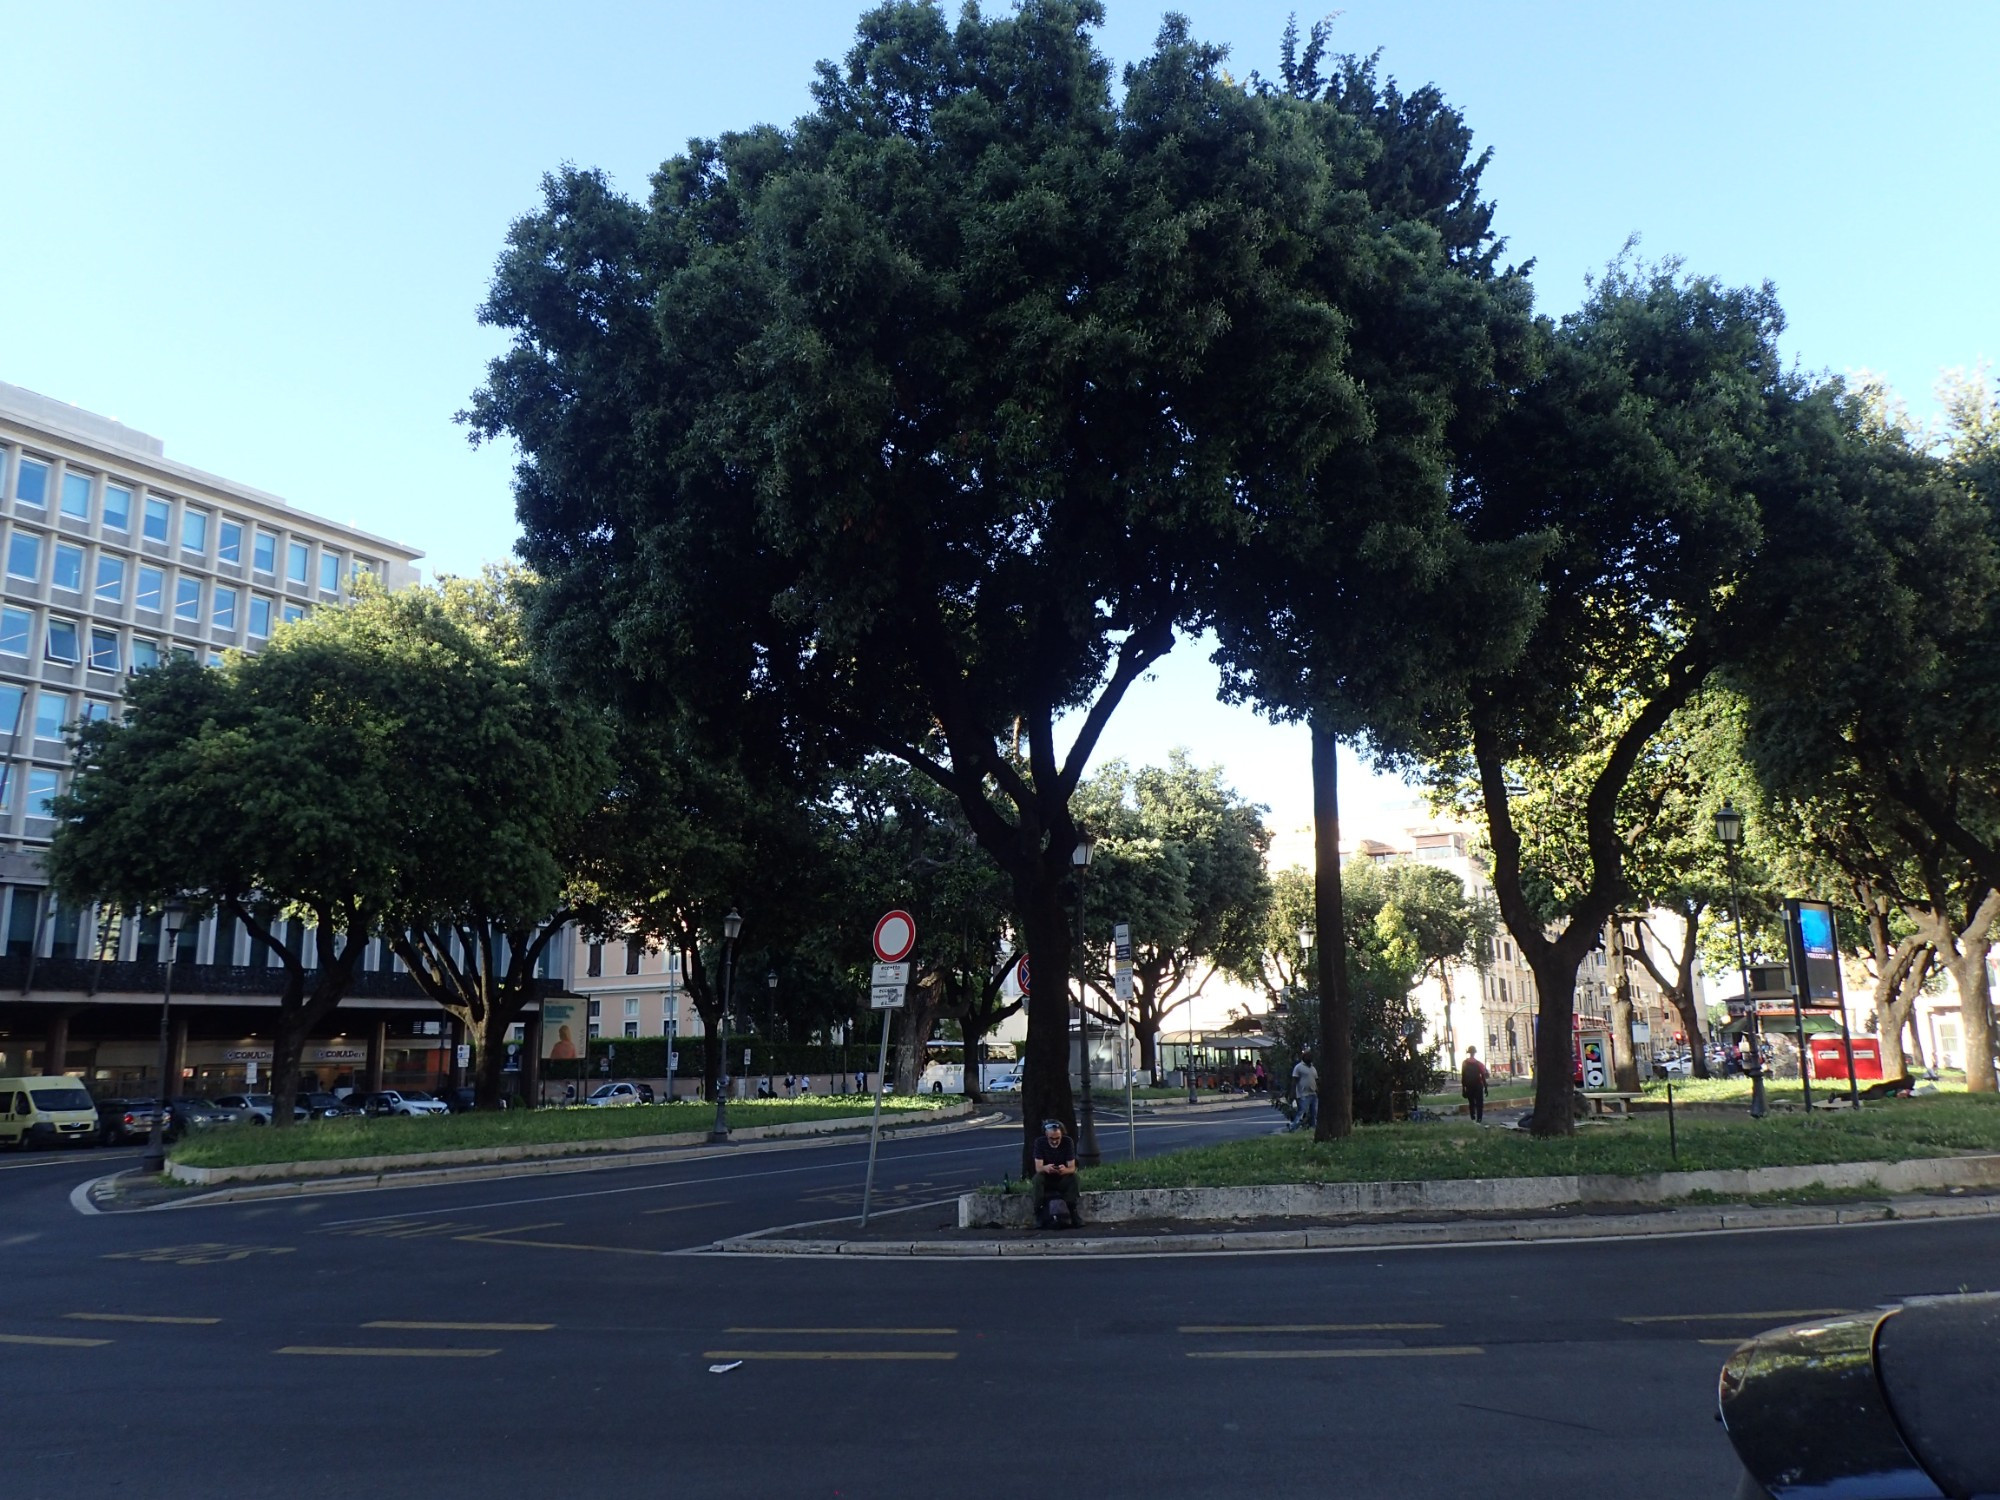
(1609,1102)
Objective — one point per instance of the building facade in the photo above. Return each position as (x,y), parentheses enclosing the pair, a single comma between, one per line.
(116,557)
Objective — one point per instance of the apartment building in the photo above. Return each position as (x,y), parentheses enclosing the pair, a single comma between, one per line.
(115,557)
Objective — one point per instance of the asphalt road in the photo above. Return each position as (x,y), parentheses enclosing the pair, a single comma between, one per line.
(551,1335)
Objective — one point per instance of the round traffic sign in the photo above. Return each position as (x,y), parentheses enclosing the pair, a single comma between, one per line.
(895,936)
(1021,974)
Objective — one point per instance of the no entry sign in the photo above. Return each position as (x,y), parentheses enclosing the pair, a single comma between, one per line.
(895,936)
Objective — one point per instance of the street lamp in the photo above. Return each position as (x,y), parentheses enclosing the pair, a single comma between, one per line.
(172,916)
(731,925)
(1729,832)
(770,1011)
(1087,1153)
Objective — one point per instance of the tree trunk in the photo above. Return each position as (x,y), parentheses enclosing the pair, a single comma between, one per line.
(1045,1087)
(1968,972)
(1624,1053)
(1899,979)
(1148,1034)
(971,1035)
(1336,1004)
(1554,967)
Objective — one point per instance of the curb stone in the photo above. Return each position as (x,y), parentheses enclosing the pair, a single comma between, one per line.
(1671,1221)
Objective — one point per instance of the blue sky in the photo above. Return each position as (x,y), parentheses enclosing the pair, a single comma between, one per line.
(260,232)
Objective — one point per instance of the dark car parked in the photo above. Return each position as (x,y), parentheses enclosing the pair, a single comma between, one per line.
(191,1113)
(122,1121)
(321,1106)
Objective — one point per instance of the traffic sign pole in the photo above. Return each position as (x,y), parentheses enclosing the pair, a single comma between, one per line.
(875,1121)
(895,935)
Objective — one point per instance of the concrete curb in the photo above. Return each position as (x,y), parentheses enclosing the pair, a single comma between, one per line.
(1328,1200)
(543,1167)
(1673,1221)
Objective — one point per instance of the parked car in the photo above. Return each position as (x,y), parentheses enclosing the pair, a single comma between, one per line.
(257,1106)
(46,1111)
(464,1101)
(1673,1066)
(122,1121)
(1006,1083)
(193,1113)
(322,1106)
(621,1093)
(398,1102)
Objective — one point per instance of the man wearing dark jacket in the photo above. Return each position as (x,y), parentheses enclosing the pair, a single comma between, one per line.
(1055,1173)
(1472,1084)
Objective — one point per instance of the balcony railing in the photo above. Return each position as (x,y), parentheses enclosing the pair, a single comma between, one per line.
(87,976)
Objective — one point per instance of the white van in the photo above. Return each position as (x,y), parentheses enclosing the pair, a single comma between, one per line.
(46,1112)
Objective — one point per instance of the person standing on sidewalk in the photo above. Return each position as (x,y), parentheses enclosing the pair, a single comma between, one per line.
(1472,1084)
(1305,1088)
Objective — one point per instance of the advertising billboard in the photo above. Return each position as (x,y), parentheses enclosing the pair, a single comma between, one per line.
(563,1029)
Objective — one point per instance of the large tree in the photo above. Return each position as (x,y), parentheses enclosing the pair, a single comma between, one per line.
(1180,861)
(1358,602)
(922,421)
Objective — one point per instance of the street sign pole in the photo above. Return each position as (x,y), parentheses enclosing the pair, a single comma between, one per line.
(875,1120)
(895,935)
(1121,953)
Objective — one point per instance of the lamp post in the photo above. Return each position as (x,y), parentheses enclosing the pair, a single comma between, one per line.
(1729,832)
(770,1010)
(1087,1153)
(172,915)
(731,925)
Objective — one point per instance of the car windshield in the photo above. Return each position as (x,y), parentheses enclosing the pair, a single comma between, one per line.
(260,1101)
(416,1096)
(62,1099)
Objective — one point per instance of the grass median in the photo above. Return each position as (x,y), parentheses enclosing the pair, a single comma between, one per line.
(1891,1130)
(333,1140)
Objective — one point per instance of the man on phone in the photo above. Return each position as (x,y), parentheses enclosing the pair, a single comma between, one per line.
(1055,1174)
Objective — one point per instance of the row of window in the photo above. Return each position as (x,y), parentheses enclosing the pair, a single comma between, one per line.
(53,710)
(64,641)
(69,567)
(80,496)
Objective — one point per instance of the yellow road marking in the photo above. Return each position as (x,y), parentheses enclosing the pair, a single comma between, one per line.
(464,1327)
(1334,1353)
(913,1332)
(385,1353)
(1306,1327)
(54,1343)
(1742,1317)
(682,1208)
(207,1253)
(1729,1343)
(827,1355)
(137,1318)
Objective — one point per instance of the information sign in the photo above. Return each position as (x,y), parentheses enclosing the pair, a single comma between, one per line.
(886,996)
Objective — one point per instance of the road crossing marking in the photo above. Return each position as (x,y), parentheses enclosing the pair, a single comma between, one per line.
(462,1327)
(138,1318)
(49,1341)
(1725,1343)
(404,1229)
(1412,1353)
(363,1352)
(682,1208)
(1742,1317)
(508,1237)
(906,1332)
(829,1355)
(1307,1327)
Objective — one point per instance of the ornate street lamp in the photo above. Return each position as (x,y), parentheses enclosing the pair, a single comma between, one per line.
(172,917)
(1087,1153)
(1729,833)
(731,926)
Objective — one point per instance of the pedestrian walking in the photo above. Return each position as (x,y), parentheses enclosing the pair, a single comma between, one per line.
(1472,1084)
(1305,1088)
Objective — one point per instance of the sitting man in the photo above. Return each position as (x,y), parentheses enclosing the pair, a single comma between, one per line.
(1055,1174)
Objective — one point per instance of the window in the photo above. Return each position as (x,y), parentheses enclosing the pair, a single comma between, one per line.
(194,531)
(42,792)
(596,961)
(631,1028)
(223,612)
(158,512)
(596,1010)
(16,630)
(117,507)
(295,562)
(95,711)
(31,484)
(631,1007)
(24,556)
(69,568)
(294,612)
(76,496)
(144,654)
(187,599)
(260,617)
(6,788)
(110,579)
(51,713)
(329,573)
(11,699)
(104,650)
(359,569)
(61,643)
(264,552)
(592,1031)
(229,542)
(152,590)
(632,951)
